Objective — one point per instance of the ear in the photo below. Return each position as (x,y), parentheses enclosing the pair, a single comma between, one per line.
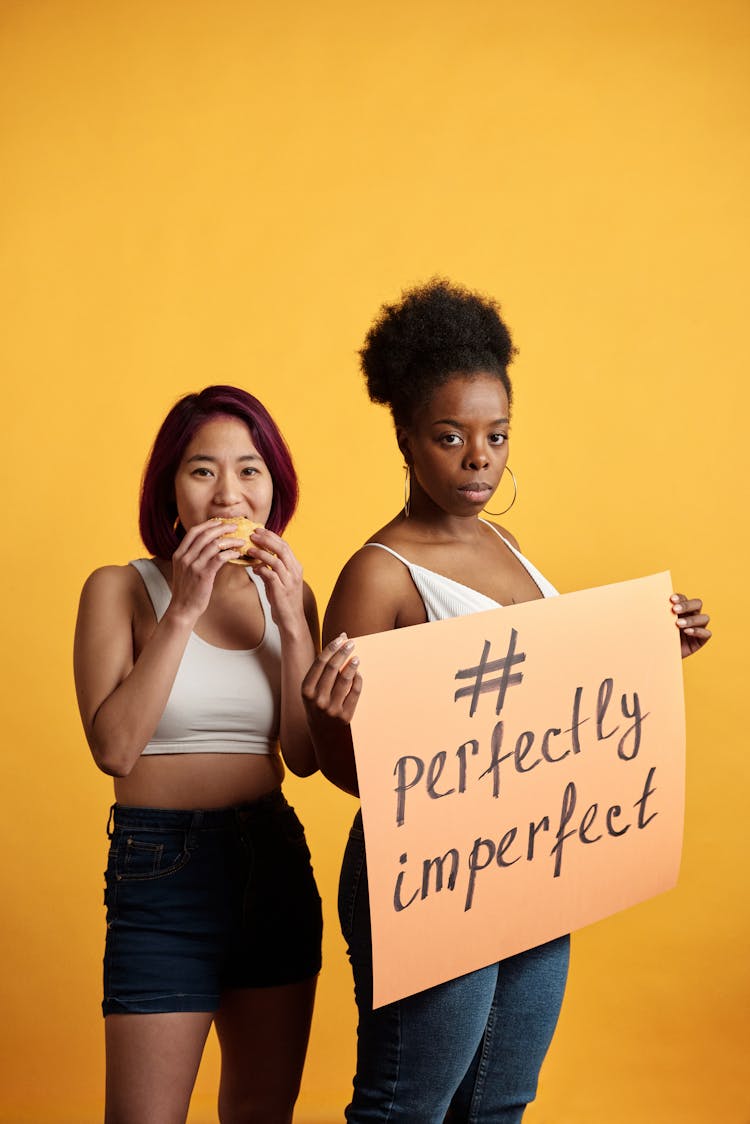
(402,437)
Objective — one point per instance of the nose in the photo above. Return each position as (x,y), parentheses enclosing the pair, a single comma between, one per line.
(227,492)
(476,456)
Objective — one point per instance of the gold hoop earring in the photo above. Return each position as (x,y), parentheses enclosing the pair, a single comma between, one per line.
(515,494)
(407,491)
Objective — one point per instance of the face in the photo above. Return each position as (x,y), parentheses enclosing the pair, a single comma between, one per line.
(222,473)
(457,444)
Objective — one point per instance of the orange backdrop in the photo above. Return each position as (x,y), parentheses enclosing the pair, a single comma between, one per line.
(214,190)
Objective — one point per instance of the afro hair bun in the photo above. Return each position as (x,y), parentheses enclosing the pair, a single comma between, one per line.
(435,331)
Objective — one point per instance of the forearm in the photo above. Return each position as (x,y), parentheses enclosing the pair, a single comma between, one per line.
(297,653)
(334,751)
(126,720)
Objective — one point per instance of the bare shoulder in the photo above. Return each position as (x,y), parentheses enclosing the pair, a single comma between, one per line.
(111,581)
(505,534)
(113,588)
(369,594)
(372,568)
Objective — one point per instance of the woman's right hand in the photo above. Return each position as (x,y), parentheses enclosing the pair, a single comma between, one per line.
(195,564)
(332,686)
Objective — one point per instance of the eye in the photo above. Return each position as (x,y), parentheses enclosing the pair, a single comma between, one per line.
(201,470)
(498,438)
(249,471)
(450,439)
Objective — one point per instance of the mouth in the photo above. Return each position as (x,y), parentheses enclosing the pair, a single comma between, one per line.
(476,490)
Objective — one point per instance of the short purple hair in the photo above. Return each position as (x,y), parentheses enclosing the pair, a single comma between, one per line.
(158,510)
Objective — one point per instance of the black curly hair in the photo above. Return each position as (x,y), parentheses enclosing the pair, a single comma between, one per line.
(435,331)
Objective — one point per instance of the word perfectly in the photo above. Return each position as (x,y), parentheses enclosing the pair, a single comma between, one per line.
(450,773)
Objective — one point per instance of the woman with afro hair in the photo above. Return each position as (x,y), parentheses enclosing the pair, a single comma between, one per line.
(468,1050)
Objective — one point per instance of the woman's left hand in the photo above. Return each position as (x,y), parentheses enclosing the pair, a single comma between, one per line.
(692,622)
(281,573)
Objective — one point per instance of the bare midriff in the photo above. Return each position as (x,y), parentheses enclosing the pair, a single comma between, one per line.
(199,780)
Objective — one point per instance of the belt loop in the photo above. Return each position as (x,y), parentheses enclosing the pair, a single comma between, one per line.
(110,821)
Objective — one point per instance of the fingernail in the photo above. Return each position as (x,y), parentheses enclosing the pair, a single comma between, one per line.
(679,608)
(674,597)
(690,631)
(348,646)
(354,661)
(681,621)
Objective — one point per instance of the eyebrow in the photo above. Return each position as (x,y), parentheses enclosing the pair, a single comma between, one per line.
(460,425)
(207,457)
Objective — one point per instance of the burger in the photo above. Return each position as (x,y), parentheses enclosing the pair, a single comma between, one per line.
(245,528)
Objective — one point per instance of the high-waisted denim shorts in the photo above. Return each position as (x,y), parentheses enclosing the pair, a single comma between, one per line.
(202,901)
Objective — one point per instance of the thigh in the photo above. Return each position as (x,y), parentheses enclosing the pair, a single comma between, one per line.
(263,1033)
(152,1062)
(278,924)
(168,915)
(413,1054)
(504,1073)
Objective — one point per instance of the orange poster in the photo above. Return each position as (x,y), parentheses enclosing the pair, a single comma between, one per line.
(521,773)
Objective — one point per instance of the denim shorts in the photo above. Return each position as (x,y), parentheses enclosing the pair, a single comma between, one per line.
(202,901)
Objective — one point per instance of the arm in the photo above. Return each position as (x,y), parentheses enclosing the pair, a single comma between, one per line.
(295,612)
(121,699)
(365,600)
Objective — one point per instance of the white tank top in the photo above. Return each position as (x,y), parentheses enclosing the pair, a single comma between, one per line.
(223,700)
(443,597)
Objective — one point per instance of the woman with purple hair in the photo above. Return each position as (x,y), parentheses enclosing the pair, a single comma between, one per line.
(188,673)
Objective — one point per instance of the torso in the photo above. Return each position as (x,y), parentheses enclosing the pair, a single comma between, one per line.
(234,619)
(484,563)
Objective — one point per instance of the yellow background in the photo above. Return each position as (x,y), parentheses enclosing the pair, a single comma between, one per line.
(199,191)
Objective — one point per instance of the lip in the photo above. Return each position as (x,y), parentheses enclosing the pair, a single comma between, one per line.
(477,488)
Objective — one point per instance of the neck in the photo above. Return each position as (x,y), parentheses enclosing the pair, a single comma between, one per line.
(429,521)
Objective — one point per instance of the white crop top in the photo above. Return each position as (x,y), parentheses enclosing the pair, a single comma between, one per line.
(443,597)
(222,700)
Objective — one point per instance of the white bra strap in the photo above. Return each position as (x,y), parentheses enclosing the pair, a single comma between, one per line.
(393,552)
(156,584)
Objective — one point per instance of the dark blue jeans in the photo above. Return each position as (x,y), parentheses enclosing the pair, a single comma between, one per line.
(467,1051)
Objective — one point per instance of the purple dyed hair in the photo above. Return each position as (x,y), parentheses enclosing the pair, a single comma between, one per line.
(158,510)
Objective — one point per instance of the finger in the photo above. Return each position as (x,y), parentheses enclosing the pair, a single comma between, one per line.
(199,536)
(269,540)
(334,689)
(327,682)
(270,547)
(336,653)
(698,633)
(682,604)
(350,703)
(209,556)
(346,692)
(265,558)
(696,620)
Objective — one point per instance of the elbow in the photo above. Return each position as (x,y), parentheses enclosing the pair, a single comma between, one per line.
(303,770)
(344,778)
(112,765)
(302,763)
(114,759)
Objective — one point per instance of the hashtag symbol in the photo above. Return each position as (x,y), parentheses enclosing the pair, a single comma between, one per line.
(489,667)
